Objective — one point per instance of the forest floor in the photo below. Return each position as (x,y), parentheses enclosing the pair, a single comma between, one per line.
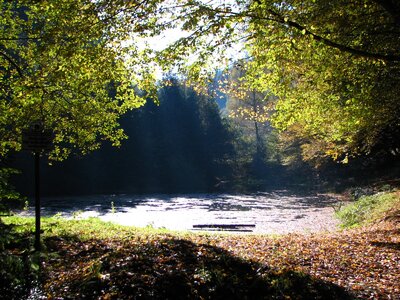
(96,260)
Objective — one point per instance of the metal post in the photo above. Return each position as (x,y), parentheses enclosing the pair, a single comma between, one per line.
(37,201)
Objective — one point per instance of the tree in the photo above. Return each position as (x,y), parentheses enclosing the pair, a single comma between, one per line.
(248,105)
(335,93)
(334,66)
(180,144)
(8,196)
(72,66)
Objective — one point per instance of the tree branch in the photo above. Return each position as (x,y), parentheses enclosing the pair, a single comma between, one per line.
(330,43)
(344,48)
(13,63)
(276,17)
(19,38)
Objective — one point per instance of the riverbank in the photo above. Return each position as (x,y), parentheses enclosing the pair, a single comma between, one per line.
(93,259)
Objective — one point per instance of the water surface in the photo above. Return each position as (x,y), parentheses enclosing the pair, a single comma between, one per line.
(274,212)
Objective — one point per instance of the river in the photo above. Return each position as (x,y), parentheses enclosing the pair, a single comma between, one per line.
(271,213)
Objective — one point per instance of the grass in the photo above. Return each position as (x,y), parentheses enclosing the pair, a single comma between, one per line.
(83,229)
(369,209)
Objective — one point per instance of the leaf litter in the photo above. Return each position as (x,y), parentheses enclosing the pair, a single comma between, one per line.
(361,263)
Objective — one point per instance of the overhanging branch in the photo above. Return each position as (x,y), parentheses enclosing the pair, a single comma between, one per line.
(276,17)
(327,42)
(344,48)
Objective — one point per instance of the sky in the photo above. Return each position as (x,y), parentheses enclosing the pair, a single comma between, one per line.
(169,36)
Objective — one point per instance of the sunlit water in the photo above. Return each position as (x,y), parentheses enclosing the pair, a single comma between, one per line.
(275,212)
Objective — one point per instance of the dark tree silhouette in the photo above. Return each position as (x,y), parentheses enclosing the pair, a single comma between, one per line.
(180,145)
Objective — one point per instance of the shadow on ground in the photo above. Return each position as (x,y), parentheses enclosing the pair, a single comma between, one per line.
(170,269)
(18,264)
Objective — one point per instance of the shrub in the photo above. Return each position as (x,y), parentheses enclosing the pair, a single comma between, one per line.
(367,209)
(9,198)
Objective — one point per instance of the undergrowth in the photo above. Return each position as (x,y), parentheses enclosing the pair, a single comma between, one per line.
(368,209)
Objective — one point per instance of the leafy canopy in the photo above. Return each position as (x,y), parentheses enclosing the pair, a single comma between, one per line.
(77,65)
(74,67)
(333,65)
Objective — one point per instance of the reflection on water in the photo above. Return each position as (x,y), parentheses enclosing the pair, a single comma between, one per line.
(275,212)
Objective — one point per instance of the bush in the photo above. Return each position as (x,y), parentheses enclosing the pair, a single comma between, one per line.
(9,198)
(367,209)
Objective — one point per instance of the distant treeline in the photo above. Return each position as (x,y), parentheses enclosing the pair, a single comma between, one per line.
(179,145)
(184,144)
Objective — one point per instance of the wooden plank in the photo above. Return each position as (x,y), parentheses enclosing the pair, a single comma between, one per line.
(223,226)
(220,229)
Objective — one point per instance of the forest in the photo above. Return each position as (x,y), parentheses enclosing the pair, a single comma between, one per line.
(188,97)
(184,143)
(191,143)
(321,103)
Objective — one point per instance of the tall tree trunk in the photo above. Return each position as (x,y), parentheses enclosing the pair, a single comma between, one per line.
(259,143)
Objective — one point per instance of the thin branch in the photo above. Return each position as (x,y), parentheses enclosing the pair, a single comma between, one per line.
(13,63)
(19,38)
